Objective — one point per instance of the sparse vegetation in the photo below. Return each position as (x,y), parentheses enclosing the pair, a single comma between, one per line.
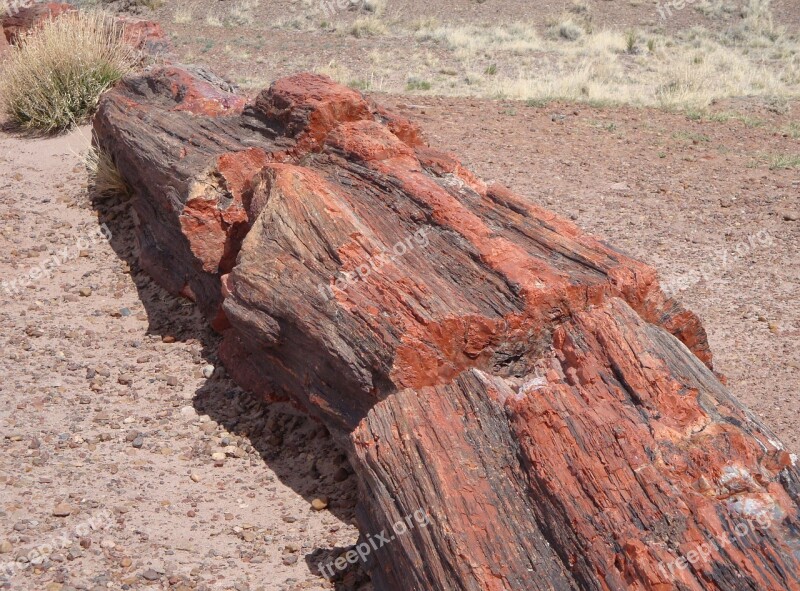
(417,84)
(631,38)
(793,130)
(182,15)
(688,71)
(241,13)
(784,161)
(105,179)
(55,77)
(569,30)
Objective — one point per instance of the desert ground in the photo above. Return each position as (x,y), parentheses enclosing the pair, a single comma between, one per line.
(125,446)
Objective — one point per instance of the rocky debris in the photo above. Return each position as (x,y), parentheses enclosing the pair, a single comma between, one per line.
(64,441)
(524,389)
(18,23)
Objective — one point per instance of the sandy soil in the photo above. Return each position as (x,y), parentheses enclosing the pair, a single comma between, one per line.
(106,422)
(102,415)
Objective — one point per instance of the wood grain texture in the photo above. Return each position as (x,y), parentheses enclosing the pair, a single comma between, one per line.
(527,386)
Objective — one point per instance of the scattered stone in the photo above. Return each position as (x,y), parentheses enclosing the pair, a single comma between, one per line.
(168,339)
(63,510)
(319,503)
(85,291)
(6,547)
(208,371)
(150,575)
(289,559)
(132,435)
(138,442)
(195,477)
(791,216)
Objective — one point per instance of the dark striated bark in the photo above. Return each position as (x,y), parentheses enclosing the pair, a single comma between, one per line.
(482,360)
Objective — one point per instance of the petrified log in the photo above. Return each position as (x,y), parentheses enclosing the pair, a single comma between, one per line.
(144,35)
(479,358)
(17,23)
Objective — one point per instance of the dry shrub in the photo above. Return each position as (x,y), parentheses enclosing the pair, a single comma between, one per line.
(367,26)
(105,179)
(54,78)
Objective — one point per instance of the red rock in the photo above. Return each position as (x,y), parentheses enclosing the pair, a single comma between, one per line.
(484,362)
(147,36)
(25,19)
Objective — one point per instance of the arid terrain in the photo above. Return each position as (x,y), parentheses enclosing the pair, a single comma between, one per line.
(125,446)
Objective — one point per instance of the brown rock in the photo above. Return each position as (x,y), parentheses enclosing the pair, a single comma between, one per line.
(520,402)
(63,510)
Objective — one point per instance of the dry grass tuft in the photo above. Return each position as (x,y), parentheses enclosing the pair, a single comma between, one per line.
(105,179)
(367,26)
(686,71)
(54,78)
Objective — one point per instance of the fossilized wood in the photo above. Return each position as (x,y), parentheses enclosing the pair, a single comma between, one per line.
(17,23)
(478,357)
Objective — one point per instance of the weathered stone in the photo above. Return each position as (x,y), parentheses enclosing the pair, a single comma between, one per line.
(19,22)
(519,396)
(147,36)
